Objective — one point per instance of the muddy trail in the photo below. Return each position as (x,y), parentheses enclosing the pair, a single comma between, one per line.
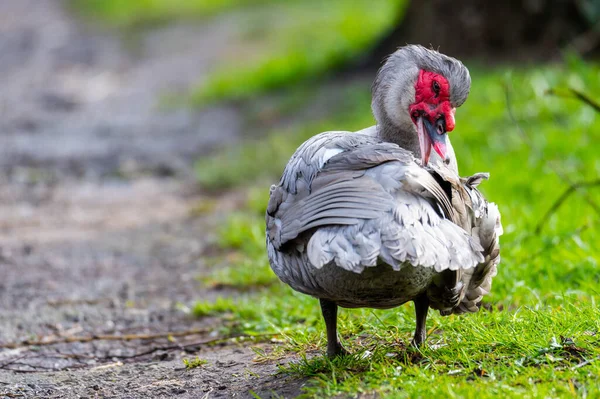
(97,233)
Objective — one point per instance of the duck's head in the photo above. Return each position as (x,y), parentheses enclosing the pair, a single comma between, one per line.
(416,93)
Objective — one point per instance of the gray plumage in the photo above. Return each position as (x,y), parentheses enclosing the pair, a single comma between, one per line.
(357,221)
(485,226)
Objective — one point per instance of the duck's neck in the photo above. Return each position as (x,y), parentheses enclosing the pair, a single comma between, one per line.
(405,138)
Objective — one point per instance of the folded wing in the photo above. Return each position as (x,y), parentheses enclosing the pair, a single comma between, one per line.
(363,202)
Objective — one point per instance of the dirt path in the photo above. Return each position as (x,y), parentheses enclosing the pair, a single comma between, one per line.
(96,190)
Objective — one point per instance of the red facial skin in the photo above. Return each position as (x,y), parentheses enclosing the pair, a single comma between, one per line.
(431,104)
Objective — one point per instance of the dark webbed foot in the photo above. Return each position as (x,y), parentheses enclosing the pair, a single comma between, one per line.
(421,309)
(334,347)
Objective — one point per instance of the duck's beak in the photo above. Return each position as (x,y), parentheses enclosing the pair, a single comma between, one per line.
(431,135)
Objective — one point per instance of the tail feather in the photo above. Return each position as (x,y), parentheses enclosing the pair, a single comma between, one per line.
(488,230)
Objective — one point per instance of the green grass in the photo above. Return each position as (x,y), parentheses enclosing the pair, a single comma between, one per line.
(133,13)
(533,351)
(244,264)
(542,336)
(304,40)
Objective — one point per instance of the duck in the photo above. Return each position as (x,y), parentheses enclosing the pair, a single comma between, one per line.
(380,217)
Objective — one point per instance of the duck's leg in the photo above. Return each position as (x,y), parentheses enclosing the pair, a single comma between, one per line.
(329,309)
(421,309)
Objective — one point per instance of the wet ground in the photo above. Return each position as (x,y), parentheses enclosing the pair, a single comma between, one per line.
(97,233)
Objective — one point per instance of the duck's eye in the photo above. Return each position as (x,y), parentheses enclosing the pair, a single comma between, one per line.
(436,88)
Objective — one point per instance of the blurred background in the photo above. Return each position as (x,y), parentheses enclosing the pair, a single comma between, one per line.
(138,140)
